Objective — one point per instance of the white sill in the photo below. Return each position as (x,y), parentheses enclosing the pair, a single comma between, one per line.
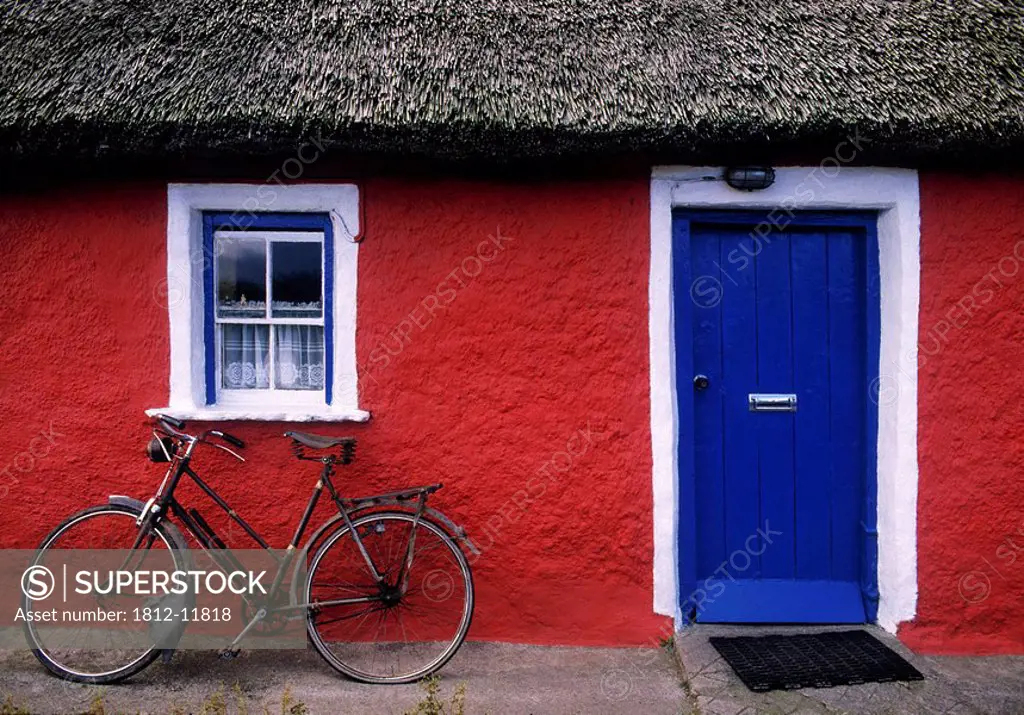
(267,414)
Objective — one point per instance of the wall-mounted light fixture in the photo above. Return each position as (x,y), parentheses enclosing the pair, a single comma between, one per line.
(749,178)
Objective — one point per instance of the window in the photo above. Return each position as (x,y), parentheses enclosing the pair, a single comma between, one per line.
(269,309)
(261,295)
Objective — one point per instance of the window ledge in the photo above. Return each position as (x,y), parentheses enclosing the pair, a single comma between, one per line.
(271,414)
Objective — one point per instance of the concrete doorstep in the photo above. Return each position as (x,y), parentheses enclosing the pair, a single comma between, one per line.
(973,686)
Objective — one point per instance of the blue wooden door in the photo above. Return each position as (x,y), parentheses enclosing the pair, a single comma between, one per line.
(777,351)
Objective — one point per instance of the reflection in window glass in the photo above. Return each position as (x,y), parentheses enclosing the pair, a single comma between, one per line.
(295,282)
(270,311)
(241,278)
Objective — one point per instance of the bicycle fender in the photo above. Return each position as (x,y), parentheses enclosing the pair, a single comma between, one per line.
(171,631)
(453,529)
(180,542)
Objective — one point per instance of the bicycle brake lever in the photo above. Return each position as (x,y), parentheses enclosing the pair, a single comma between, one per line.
(234,454)
(162,447)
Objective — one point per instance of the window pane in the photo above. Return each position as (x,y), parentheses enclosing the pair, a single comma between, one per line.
(245,357)
(299,357)
(295,283)
(241,278)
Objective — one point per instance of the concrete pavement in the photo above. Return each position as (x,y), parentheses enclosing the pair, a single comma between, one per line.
(506,679)
(500,679)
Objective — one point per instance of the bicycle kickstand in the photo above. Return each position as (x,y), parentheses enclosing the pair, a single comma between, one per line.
(232,651)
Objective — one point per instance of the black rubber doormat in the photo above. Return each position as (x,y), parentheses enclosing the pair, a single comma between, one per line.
(814,660)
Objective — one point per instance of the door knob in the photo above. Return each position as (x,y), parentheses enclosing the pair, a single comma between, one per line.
(700,382)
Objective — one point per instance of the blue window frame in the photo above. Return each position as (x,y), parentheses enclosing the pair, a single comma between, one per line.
(266,225)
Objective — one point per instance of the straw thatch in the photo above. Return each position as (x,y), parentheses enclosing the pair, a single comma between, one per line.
(508,78)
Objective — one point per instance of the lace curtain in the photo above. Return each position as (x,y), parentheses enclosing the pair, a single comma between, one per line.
(299,357)
(245,362)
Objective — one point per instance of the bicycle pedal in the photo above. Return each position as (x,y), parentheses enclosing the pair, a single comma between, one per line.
(230,653)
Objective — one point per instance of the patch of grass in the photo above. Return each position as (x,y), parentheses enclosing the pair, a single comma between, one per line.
(241,705)
(434,704)
(691,707)
(691,697)
(291,706)
(217,703)
(9,708)
(96,706)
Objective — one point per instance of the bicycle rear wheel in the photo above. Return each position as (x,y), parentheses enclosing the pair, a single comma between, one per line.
(101,649)
(398,637)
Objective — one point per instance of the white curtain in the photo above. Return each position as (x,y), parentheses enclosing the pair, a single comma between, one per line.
(246,357)
(299,357)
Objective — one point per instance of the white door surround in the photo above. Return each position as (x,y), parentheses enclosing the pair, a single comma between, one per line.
(893,193)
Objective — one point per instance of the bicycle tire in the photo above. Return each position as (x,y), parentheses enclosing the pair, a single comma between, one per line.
(137,665)
(467,616)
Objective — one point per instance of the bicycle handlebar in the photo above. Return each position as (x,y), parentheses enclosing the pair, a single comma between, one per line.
(175,423)
(176,428)
(227,438)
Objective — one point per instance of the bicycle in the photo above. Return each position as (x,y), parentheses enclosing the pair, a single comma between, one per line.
(362,580)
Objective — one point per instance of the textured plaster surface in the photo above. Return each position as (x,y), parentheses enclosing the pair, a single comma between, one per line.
(512,369)
(534,364)
(970,501)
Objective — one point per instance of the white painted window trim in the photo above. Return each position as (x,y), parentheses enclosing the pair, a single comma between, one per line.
(892,192)
(184,292)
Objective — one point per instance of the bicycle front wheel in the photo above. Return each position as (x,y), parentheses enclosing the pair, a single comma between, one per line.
(107,646)
(395,634)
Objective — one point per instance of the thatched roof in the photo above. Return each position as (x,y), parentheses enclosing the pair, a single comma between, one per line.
(509,78)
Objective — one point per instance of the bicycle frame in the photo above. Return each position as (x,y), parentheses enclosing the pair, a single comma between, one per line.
(354,622)
(164,504)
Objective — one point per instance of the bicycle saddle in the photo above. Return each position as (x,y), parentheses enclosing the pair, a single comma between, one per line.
(315,441)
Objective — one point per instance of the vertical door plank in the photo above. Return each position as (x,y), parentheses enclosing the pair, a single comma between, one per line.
(707,427)
(775,430)
(811,382)
(739,368)
(848,390)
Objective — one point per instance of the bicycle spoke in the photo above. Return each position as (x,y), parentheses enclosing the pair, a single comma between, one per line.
(410,633)
(348,586)
(87,653)
(405,638)
(364,614)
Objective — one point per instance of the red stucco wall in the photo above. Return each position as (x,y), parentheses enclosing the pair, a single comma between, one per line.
(536,353)
(971,419)
(481,377)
